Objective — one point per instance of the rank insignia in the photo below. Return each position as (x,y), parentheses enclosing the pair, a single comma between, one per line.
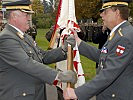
(120,50)
(104,50)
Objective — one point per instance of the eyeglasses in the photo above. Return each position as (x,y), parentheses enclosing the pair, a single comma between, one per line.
(25,14)
(106,11)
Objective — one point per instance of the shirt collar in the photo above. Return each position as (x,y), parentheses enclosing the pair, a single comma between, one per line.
(17,29)
(113,30)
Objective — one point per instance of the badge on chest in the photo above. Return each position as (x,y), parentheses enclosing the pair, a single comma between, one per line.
(104,50)
(120,50)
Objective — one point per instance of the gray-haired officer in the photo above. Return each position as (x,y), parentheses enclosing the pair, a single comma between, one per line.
(23,72)
(114,80)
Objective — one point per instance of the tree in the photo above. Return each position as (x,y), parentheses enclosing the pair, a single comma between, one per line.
(37,6)
(131,9)
(87,9)
(41,19)
(90,9)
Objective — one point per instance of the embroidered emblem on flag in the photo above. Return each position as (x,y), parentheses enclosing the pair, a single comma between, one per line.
(120,50)
(104,50)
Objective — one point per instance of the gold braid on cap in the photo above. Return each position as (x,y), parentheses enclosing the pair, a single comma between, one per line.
(19,7)
(114,4)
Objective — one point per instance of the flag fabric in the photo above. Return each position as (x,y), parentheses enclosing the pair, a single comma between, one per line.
(66,19)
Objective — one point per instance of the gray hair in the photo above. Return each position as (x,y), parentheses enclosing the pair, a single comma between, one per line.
(7,14)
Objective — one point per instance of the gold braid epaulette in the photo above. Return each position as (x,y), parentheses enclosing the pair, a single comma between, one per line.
(20,35)
(120,33)
(111,37)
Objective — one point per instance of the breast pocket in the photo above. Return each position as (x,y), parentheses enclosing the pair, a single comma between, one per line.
(27,49)
(24,93)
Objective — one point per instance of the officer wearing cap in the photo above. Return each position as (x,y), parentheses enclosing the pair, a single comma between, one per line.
(114,80)
(23,72)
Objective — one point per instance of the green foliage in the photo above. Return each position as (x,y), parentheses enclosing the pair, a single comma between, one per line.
(44,20)
(39,18)
(88,65)
(37,6)
(87,9)
(90,9)
(131,8)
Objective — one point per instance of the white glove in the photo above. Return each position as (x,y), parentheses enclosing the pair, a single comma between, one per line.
(67,76)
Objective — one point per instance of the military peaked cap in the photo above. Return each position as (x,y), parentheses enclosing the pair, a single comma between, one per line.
(23,5)
(111,3)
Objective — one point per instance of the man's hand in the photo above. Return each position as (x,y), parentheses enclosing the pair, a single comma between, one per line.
(69,93)
(67,76)
(78,40)
(69,40)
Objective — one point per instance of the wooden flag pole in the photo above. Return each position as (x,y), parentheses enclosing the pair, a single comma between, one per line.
(69,62)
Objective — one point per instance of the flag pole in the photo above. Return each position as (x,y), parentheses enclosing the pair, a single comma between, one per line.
(54,34)
(69,62)
(70,51)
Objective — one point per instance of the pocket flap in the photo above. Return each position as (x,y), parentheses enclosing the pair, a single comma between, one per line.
(24,91)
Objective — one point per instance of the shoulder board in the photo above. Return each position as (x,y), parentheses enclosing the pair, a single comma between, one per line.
(120,33)
(20,35)
(111,37)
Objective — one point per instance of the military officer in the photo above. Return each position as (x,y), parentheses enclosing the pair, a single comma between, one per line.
(23,72)
(114,80)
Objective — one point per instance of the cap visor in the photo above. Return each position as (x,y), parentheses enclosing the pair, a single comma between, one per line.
(28,11)
(102,9)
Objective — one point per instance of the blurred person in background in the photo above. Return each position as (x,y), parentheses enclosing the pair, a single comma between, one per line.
(100,37)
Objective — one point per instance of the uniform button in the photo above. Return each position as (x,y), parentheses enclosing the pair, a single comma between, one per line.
(113,95)
(24,94)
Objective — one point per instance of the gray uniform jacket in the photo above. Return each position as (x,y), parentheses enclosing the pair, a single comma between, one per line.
(22,72)
(114,80)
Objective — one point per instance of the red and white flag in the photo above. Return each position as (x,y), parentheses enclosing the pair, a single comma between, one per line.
(66,19)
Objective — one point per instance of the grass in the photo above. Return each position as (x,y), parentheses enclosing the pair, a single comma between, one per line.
(88,65)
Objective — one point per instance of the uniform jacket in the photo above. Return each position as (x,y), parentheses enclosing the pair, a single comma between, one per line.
(114,80)
(23,73)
